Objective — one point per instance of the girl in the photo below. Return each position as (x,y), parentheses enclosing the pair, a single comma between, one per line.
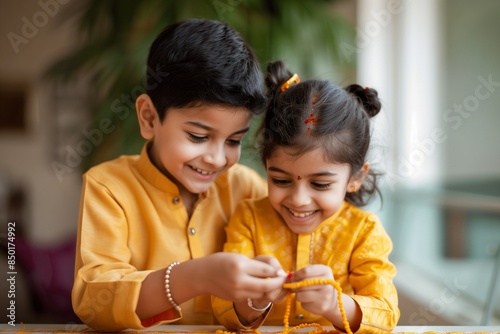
(315,138)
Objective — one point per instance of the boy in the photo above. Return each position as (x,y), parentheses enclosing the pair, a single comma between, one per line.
(151,226)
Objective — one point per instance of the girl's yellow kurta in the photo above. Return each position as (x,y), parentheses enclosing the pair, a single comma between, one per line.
(352,242)
(132,222)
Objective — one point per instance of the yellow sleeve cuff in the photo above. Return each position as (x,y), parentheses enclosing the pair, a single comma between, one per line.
(226,314)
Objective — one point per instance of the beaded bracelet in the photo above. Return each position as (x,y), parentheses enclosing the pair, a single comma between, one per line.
(167,285)
(250,304)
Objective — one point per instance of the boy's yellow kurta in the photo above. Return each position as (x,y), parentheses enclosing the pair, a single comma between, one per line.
(352,242)
(132,222)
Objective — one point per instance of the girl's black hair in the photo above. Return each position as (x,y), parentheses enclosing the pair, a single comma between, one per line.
(202,61)
(341,127)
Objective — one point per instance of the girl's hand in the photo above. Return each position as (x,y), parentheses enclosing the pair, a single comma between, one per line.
(318,299)
(236,277)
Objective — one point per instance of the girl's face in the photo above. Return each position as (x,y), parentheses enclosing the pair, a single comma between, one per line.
(193,146)
(306,190)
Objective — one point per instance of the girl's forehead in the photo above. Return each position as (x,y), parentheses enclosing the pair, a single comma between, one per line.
(290,154)
(310,162)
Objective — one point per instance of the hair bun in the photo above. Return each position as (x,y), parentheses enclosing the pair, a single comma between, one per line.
(277,74)
(368,97)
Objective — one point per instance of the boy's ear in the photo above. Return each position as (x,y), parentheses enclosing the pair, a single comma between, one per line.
(147,115)
(357,179)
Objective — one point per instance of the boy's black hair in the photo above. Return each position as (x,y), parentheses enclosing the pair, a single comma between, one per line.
(202,61)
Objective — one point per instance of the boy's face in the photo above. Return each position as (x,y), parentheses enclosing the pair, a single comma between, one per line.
(305,190)
(192,146)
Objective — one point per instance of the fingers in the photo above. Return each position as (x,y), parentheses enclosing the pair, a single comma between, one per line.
(247,278)
(313,271)
(259,269)
(259,289)
(266,267)
(275,286)
(315,293)
(235,265)
(263,285)
(318,301)
(309,273)
(236,277)
(277,296)
(273,262)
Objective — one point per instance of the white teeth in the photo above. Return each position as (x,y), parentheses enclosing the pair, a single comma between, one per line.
(202,172)
(302,214)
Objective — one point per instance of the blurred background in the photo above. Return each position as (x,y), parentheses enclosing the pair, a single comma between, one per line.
(70,72)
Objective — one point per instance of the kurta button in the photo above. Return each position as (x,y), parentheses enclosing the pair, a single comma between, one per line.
(176,200)
(192,231)
(299,316)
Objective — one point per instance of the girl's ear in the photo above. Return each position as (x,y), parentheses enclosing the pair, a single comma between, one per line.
(357,179)
(147,116)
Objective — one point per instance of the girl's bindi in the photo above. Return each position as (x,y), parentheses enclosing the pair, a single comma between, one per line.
(299,178)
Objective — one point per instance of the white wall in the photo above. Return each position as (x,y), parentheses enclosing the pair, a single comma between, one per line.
(399,55)
(470,113)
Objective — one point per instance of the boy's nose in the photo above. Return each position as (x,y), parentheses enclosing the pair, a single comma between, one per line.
(216,156)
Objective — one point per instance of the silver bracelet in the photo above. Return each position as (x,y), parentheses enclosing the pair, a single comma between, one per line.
(167,285)
(250,304)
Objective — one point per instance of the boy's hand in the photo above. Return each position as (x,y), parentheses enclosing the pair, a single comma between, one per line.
(236,277)
(318,299)
(278,294)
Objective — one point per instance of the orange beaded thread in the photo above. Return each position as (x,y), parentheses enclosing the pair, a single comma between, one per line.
(317,281)
(286,318)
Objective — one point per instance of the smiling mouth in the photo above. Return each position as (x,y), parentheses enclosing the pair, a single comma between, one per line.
(201,171)
(301,214)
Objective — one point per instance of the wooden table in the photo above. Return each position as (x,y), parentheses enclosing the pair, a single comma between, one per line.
(171,329)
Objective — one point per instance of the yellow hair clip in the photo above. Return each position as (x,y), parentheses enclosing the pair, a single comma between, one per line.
(294,79)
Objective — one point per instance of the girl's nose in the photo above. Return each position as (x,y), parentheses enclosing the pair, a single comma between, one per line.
(299,196)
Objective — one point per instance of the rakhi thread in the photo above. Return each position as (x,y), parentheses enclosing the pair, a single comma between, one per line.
(286,318)
(310,282)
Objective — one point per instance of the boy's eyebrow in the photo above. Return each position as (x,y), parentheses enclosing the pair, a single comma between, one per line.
(245,130)
(200,125)
(209,128)
(276,169)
